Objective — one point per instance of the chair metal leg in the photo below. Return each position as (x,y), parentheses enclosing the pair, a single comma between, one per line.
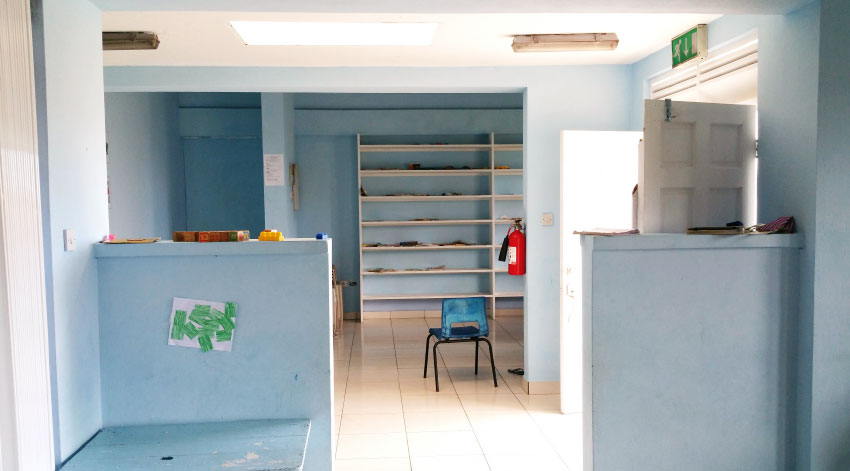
(436,370)
(427,344)
(476,355)
(492,362)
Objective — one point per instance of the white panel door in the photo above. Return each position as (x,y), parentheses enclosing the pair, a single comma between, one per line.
(697,168)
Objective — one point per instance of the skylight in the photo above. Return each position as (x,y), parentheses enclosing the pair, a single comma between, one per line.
(284,33)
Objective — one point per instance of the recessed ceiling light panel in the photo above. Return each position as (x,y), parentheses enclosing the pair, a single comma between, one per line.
(565,42)
(284,33)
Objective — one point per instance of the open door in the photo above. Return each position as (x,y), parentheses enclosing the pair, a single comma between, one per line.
(697,166)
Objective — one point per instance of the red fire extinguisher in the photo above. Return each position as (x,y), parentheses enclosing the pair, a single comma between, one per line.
(513,250)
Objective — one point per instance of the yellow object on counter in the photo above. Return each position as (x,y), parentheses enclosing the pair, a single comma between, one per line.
(271,234)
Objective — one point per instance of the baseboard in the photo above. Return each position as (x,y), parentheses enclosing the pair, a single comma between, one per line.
(419,314)
(541,387)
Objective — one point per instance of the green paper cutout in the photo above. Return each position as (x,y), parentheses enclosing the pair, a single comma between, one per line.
(223,335)
(190,330)
(205,323)
(206,344)
(177,327)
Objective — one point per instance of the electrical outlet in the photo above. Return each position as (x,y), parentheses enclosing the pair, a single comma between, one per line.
(546,219)
(70,239)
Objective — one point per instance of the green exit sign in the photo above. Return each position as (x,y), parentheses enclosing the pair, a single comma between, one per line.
(692,44)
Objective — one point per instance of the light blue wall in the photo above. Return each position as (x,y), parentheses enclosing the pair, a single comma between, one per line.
(787,101)
(555,98)
(73,165)
(145,165)
(222,150)
(830,423)
(692,341)
(407,101)
(280,365)
(224,184)
(326,149)
(184,161)
(327,168)
(279,138)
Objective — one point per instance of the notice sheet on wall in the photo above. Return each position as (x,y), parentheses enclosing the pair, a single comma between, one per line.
(273,169)
(208,325)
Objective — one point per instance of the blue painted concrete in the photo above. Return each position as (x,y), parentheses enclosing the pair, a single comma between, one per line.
(208,180)
(259,445)
(280,366)
(279,138)
(406,101)
(555,98)
(145,165)
(326,149)
(411,122)
(220,122)
(692,344)
(328,203)
(224,179)
(788,101)
(222,151)
(830,423)
(218,100)
(73,159)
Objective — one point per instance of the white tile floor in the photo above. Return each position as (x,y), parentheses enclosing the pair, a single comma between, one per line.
(389,418)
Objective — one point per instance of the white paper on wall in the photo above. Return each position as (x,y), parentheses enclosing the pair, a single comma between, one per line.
(273,170)
(208,325)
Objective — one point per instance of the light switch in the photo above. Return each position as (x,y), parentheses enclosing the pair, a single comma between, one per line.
(546,219)
(70,239)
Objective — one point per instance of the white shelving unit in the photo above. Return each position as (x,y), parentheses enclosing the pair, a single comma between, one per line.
(367,175)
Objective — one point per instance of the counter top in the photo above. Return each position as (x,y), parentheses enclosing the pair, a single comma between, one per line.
(169,248)
(687,242)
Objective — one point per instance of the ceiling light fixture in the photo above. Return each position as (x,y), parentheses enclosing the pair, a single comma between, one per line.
(282,33)
(129,40)
(565,42)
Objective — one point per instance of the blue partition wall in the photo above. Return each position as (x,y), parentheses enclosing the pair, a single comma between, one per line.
(280,366)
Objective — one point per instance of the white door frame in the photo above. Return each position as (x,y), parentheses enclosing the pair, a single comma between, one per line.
(26,422)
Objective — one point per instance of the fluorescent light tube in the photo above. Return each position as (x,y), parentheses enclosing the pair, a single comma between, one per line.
(129,40)
(283,33)
(565,42)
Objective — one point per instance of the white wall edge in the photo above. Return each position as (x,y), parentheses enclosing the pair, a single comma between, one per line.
(26,427)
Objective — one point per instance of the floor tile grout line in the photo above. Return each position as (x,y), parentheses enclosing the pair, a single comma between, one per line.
(403,418)
(454,380)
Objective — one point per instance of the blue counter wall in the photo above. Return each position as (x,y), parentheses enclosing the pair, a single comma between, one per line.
(691,341)
(788,100)
(280,366)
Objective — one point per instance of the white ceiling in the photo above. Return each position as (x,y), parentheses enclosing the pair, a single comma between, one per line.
(462,40)
(763,7)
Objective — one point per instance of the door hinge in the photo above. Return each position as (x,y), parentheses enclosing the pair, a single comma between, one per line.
(668,110)
(757,148)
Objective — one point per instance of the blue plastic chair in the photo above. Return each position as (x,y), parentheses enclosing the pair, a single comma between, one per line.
(456,311)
